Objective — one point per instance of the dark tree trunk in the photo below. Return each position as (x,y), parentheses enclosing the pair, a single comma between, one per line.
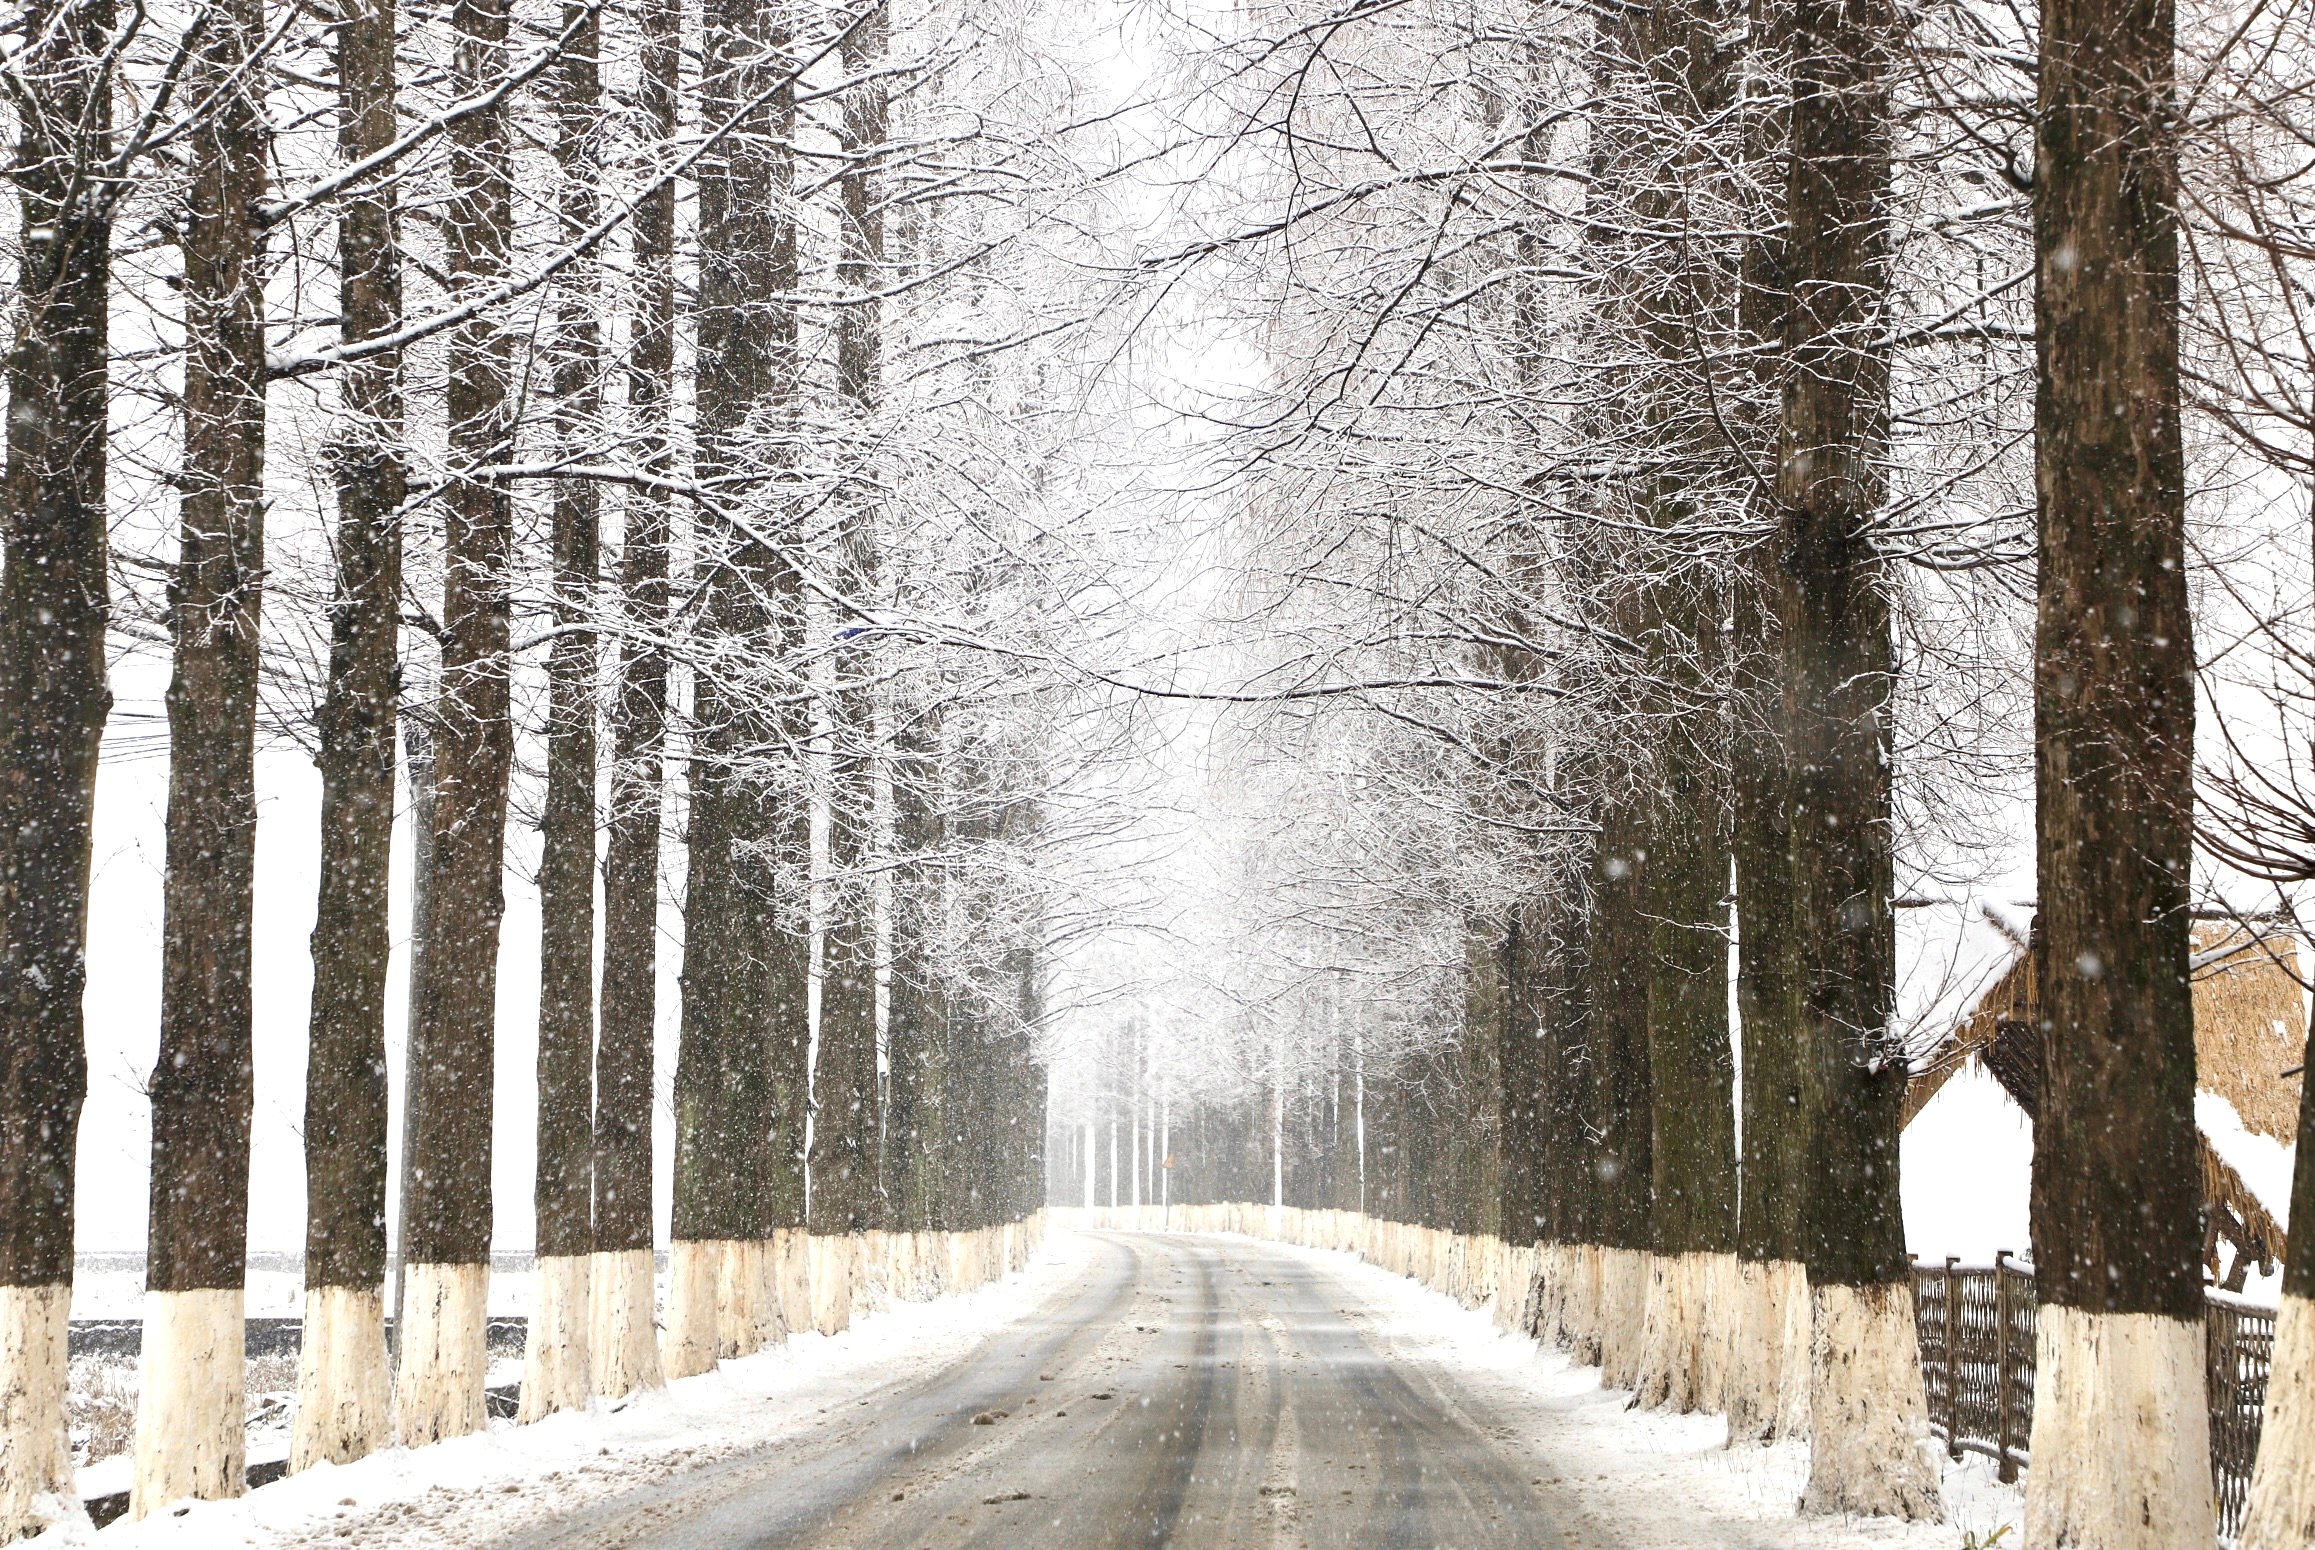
(189,1436)
(629,993)
(2115,1197)
(440,1388)
(563,1184)
(917,1028)
(1839,662)
(53,608)
(556,1373)
(1617,995)
(1692,1136)
(844,1071)
(346,1087)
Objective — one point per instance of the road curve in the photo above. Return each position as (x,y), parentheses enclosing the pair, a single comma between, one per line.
(1188,1391)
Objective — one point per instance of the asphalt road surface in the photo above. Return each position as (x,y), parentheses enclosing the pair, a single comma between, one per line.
(1184,1391)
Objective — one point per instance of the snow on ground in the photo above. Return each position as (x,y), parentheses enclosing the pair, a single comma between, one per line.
(1631,1479)
(1624,1478)
(475,1488)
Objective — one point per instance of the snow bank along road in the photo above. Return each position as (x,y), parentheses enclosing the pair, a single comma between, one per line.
(1192,1391)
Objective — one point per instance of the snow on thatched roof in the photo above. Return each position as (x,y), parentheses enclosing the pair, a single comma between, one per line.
(2250,1026)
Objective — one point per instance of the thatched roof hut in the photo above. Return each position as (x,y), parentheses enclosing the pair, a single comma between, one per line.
(2249,1027)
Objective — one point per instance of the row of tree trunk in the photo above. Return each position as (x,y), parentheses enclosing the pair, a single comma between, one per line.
(1751,693)
(923,1119)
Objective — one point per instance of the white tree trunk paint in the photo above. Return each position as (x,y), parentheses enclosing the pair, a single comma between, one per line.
(1621,1315)
(622,1335)
(35,1453)
(1753,1390)
(763,1266)
(557,1372)
(791,1246)
(439,1390)
(2282,1507)
(694,1268)
(834,1258)
(2121,1433)
(1684,1346)
(1113,1162)
(192,1401)
(1791,1278)
(344,1388)
(1723,1279)
(1872,1454)
(1133,1194)
(735,1300)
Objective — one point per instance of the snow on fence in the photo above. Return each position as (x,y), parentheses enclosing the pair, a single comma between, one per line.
(1977,1323)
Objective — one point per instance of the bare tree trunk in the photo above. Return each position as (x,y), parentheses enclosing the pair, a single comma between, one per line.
(342,1410)
(844,1069)
(53,608)
(1692,1135)
(190,1403)
(1622,1105)
(1867,1411)
(2121,1438)
(623,1337)
(917,1026)
(557,1368)
(1767,1391)
(439,1391)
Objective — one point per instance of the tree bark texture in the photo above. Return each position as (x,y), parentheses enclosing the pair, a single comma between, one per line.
(629,990)
(450,1215)
(1838,657)
(844,1125)
(2115,1195)
(346,1087)
(563,1182)
(54,603)
(202,1082)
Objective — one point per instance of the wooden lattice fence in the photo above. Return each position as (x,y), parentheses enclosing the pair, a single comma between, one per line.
(1977,1325)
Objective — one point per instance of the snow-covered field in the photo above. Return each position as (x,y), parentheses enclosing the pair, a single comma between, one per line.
(1624,1479)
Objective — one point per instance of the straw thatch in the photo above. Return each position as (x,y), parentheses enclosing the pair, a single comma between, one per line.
(2250,1026)
(2247,1013)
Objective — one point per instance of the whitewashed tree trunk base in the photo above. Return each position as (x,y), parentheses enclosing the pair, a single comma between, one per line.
(1580,1306)
(1869,1418)
(192,1401)
(1623,1312)
(762,1267)
(833,1257)
(2121,1433)
(35,1454)
(1547,1318)
(557,1372)
(694,1276)
(1791,1279)
(735,1307)
(622,1336)
(1683,1345)
(2282,1506)
(793,1248)
(344,1386)
(439,1391)
(1753,1391)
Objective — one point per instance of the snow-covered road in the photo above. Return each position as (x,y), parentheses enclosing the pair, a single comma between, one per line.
(1145,1390)
(1193,1391)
